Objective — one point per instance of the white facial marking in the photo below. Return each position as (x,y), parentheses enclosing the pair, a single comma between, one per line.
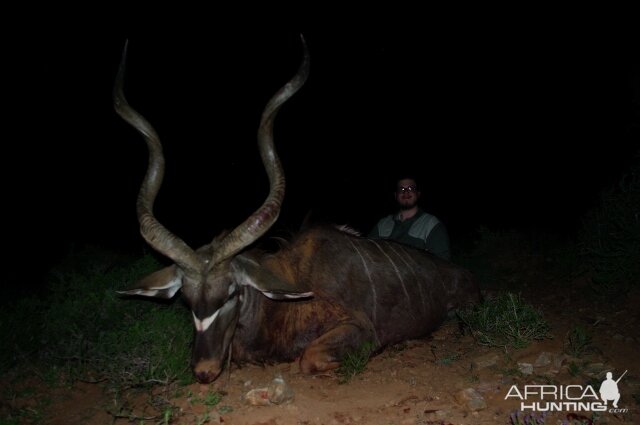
(279,296)
(203,325)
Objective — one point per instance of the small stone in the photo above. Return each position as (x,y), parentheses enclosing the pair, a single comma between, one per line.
(525,368)
(279,391)
(486,360)
(544,359)
(471,398)
(257,397)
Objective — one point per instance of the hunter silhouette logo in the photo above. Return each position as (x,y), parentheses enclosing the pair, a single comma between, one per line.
(609,389)
(572,397)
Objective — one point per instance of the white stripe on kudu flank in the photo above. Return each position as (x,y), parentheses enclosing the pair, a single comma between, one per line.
(203,325)
(413,271)
(395,269)
(373,288)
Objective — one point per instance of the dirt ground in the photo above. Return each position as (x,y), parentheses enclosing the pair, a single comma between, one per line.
(419,382)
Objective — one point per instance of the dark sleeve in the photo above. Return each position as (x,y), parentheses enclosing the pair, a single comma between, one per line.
(438,242)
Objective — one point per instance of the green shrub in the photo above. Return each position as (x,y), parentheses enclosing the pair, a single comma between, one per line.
(609,239)
(505,321)
(577,341)
(82,328)
(20,327)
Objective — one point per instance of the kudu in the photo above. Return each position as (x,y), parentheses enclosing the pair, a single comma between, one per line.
(323,295)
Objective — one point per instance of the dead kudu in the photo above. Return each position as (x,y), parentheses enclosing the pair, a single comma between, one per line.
(325,294)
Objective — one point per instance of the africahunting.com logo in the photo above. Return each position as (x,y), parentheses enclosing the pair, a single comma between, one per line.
(569,398)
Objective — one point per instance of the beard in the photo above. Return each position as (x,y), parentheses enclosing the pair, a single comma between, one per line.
(407,204)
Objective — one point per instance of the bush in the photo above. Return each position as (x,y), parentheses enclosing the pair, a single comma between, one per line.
(81,328)
(609,240)
(505,321)
(577,342)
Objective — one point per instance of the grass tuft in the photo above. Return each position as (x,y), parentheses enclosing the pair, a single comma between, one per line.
(505,321)
(354,362)
(577,341)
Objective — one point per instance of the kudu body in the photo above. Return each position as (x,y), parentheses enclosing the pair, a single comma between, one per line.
(321,296)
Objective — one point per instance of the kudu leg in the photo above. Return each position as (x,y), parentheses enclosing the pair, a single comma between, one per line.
(325,352)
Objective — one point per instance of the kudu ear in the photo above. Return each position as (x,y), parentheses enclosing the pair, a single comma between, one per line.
(163,283)
(250,273)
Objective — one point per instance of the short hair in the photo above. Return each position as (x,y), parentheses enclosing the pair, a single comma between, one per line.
(406,177)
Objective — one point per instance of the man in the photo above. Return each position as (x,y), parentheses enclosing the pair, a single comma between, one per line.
(411,225)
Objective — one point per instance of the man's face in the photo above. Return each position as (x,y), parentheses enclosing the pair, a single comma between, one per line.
(407,194)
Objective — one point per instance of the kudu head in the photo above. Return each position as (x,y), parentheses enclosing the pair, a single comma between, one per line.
(216,277)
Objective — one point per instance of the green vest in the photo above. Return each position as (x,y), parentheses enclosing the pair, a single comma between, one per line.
(422,231)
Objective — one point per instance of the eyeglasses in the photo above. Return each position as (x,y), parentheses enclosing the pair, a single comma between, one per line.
(404,189)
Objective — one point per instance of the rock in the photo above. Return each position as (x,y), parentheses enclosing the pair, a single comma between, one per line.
(544,359)
(471,398)
(525,368)
(257,397)
(279,391)
(486,360)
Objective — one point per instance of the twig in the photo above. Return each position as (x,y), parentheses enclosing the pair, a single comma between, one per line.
(132,417)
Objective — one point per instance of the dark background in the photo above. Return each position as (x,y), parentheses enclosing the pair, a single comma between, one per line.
(505,127)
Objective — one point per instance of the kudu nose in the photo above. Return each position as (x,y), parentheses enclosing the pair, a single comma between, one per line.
(205,377)
(206,371)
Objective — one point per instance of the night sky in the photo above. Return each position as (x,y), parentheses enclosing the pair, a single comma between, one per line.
(520,130)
